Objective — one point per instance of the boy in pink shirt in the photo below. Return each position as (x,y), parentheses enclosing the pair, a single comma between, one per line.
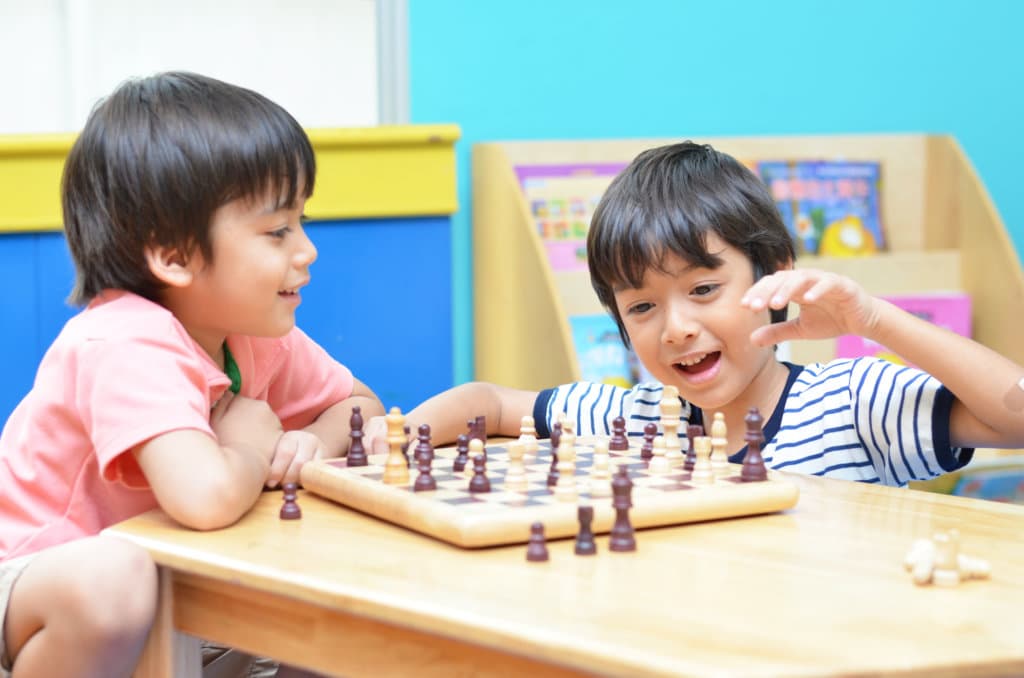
(184,383)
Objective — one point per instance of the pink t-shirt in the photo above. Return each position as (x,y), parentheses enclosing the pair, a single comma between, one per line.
(121,372)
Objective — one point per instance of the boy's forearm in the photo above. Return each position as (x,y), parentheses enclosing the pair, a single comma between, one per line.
(447,413)
(984,381)
(334,424)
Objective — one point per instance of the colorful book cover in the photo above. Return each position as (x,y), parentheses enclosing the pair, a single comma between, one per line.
(951,310)
(562,199)
(832,207)
(600,353)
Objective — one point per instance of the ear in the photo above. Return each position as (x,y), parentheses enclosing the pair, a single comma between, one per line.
(170,265)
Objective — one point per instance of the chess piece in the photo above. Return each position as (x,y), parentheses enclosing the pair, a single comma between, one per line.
(556,440)
(396,469)
(528,436)
(621,536)
(659,464)
(405,446)
(424,456)
(619,441)
(939,561)
(600,470)
(753,463)
(719,446)
(671,410)
(702,473)
(481,429)
(515,475)
(356,452)
(461,453)
(692,431)
(290,510)
(650,431)
(565,486)
(479,481)
(537,548)
(585,545)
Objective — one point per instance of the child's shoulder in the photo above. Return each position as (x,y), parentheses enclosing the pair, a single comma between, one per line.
(118,318)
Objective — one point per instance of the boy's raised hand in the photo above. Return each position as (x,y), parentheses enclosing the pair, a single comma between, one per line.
(293,450)
(830,305)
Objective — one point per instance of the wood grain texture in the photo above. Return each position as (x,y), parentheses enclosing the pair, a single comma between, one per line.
(816,590)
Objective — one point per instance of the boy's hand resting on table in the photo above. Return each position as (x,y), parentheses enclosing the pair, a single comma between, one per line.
(293,450)
(830,305)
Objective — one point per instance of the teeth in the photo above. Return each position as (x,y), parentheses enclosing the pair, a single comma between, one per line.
(693,361)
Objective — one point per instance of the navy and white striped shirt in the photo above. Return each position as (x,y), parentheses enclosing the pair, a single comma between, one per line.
(863,419)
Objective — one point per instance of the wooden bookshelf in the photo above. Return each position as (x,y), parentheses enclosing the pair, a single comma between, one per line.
(943,234)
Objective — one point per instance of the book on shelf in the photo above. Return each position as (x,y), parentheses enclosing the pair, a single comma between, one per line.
(600,353)
(562,199)
(951,310)
(832,207)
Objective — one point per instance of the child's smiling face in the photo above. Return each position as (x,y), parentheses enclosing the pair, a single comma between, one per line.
(688,329)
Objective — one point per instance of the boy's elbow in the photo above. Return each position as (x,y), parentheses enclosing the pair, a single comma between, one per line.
(212,504)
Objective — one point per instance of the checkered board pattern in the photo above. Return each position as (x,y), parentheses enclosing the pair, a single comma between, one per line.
(455,515)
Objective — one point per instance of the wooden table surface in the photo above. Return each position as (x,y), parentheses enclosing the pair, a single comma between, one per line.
(817,590)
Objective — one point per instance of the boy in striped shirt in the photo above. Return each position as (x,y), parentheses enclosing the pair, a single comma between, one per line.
(689,254)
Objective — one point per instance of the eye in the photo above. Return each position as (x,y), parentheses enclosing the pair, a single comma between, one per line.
(704,290)
(639,308)
(280,233)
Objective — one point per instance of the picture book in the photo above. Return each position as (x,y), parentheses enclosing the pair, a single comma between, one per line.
(951,310)
(832,207)
(600,353)
(562,199)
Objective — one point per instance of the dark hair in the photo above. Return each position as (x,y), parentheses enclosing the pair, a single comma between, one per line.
(666,201)
(154,162)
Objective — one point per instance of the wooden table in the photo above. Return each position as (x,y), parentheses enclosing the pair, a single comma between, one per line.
(816,590)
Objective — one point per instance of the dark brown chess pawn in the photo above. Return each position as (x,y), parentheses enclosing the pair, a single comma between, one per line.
(650,431)
(423,446)
(619,442)
(556,438)
(461,453)
(481,429)
(753,463)
(585,545)
(356,453)
(424,456)
(692,431)
(479,481)
(290,510)
(537,548)
(621,536)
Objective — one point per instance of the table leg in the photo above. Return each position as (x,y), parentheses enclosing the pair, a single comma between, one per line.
(168,653)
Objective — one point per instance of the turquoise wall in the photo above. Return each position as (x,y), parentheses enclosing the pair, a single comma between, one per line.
(574,69)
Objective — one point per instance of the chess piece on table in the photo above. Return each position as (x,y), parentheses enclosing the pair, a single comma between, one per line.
(658,465)
(396,469)
(671,410)
(424,456)
(753,463)
(619,441)
(939,561)
(600,470)
(356,452)
(481,429)
(585,545)
(405,446)
(565,486)
(479,481)
(461,453)
(621,536)
(556,440)
(290,509)
(528,436)
(692,431)
(537,547)
(702,473)
(515,475)
(719,446)
(650,431)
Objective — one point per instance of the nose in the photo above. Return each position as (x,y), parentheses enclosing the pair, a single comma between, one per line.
(305,252)
(681,324)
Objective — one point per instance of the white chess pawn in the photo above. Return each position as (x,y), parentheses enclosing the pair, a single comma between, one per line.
(515,475)
(702,473)
(719,447)
(528,435)
(659,464)
(476,446)
(600,472)
(565,488)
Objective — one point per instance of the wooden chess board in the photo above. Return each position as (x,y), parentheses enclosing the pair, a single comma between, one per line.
(466,519)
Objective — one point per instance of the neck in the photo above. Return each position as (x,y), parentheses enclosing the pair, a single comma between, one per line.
(764,393)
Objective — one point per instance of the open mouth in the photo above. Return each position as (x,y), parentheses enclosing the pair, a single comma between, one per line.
(698,363)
